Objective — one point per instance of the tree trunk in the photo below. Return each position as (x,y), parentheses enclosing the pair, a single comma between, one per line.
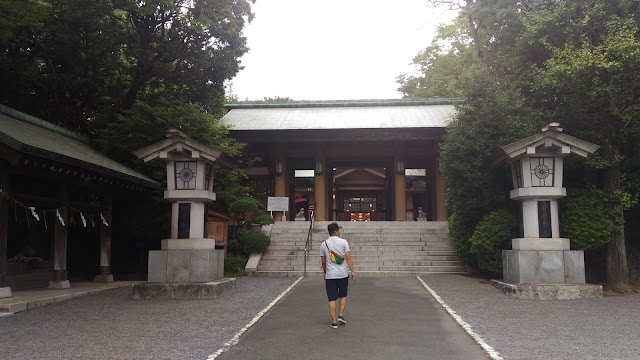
(617,271)
(476,39)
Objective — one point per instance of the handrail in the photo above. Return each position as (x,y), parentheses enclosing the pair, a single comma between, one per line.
(308,244)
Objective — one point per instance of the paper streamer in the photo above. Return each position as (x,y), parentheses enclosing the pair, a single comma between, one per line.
(84,221)
(104,221)
(60,217)
(33,212)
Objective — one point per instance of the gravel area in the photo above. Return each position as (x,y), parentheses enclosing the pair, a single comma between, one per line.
(110,325)
(600,328)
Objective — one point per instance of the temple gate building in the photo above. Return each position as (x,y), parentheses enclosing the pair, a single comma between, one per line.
(355,160)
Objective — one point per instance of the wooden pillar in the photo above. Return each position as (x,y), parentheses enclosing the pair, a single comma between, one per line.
(280,181)
(401,197)
(4,225)
(60,247)
(60,279)
(442,214)
(400,190)
(105,250)
(320,186)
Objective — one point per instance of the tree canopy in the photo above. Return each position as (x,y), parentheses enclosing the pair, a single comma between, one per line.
(520,65)
(105,67)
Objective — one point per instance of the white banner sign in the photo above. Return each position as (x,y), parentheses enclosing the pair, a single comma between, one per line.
(278,204)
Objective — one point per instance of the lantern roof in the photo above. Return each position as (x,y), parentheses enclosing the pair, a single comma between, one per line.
(179,142)
(550,138)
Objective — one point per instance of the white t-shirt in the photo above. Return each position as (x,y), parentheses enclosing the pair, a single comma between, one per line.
(340,246)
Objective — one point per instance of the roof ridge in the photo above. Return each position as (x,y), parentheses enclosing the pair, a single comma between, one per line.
(19,115)
(341,103)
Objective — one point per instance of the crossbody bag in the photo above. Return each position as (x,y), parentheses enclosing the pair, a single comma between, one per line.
(334,256)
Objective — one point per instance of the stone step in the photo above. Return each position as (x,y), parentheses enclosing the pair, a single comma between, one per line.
(361,274)
(274,263)
(354,244)
(392,268)
(378,249)
(354,249)
(377,253)
(358,258)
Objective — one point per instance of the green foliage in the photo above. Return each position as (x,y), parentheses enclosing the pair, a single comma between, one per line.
(233,246)
(229,185)
(491,236)
(256,242)
(584,219)
(460,235)
(85,63)
(234,265)
(248,212)
(539,61)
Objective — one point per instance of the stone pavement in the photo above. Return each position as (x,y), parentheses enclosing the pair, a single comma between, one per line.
(23,300)
(387,318)
(390,318)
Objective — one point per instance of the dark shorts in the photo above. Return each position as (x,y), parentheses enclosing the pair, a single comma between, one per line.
(337,288)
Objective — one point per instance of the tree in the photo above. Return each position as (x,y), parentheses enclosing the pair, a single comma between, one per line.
(248,212)
(84,63)
(598,82)
(542,60)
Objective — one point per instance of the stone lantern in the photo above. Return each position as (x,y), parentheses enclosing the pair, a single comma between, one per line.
(540,255)
(189,256)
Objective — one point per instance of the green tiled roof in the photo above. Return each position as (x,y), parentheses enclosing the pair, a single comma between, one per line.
(30,135)
(339,114)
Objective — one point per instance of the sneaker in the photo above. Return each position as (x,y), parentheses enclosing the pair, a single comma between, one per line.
(334,325)
(342,320)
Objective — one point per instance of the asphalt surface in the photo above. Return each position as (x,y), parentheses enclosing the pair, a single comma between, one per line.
(387,319)
(391,318)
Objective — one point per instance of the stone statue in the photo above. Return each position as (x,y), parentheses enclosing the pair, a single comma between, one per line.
(422,216)
(300,215)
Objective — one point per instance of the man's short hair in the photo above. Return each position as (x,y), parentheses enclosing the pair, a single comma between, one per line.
(333,227)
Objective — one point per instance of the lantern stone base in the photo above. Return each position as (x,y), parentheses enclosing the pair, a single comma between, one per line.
(543,266)
(182,291)
(5,292)
(549,291)
(173,266)
(59,284)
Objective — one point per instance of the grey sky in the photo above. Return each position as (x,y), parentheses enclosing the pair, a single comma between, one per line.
(333,49)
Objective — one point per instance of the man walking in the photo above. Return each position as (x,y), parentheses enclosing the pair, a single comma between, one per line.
(334,252)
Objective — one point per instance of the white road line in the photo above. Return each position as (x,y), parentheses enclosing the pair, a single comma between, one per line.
(234,340)
(488,349)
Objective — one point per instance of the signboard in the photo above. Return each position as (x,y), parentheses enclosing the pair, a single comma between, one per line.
(278,204)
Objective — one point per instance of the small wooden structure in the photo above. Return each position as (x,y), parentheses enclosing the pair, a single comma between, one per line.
(56,196)
(218,229)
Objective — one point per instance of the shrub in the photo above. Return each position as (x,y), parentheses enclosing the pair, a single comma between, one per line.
(234,265)
(248,212)
(460,236)
(584,219)
(490,237)
(256,242)
(233,246)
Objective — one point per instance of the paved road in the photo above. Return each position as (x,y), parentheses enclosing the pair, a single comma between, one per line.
(387,319)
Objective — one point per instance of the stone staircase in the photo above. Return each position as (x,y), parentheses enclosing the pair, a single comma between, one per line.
(378,249)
